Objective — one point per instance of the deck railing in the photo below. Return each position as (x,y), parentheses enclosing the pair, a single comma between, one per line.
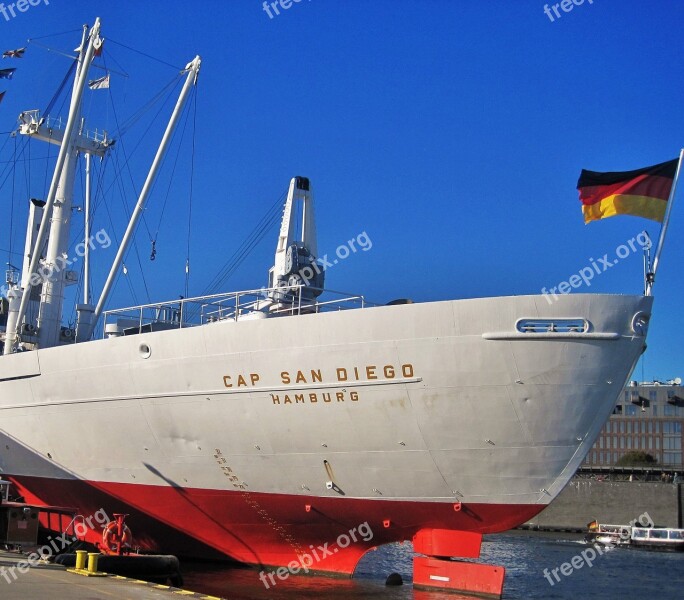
(250,304)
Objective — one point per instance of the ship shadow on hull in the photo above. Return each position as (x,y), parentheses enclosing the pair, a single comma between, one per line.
(55,485)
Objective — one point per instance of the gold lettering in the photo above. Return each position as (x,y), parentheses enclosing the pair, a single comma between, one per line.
(389,372)
(356,373)
(370,372)
(328,397)
(313,398)
(287,400)
(407,370)
(275,398)
(354,396)
(300,377)
(299,398)
(341,374)
(226,379)
(340,396)
(285,377)
(241,381)
(254,377)
(316,376)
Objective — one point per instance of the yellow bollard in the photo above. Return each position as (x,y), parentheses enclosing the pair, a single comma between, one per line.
(80,568)
(92,561)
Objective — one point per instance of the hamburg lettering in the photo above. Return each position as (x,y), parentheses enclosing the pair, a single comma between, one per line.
(301,379)
(315,398)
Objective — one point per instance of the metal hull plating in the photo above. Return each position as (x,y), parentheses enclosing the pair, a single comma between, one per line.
(258,439)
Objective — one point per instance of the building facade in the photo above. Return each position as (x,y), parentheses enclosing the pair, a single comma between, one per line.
(647,417)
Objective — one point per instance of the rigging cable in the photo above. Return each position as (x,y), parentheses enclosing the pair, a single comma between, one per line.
(60,89)
(144,54)
(192,180)
(47,110)
(247,246)
(126,165)
(168,189)
(42,37)
(11,219)
(99,193)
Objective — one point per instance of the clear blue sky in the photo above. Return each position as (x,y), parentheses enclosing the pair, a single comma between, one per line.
(452,132)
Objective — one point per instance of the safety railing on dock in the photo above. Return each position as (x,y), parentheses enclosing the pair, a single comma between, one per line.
(234,306)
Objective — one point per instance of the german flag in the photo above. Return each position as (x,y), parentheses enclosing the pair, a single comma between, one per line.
(642,192)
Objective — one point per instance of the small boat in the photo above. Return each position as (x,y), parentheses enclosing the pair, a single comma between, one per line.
(658,538)
(609,535)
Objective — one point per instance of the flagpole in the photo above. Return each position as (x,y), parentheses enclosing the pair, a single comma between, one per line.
(663,229)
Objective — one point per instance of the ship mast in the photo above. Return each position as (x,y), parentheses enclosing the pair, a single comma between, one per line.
(49,274)
(192,70)
(57,211)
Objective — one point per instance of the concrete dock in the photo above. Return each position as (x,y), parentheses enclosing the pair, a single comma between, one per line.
(55,582)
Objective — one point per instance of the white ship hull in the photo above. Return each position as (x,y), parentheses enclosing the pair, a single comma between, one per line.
(256,439)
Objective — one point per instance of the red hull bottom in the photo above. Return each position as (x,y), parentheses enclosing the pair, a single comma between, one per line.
(310,534)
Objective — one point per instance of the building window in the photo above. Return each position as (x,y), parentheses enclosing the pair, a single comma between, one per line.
(622,426)
(615,441)
(650,443)
(654,410)
(657,427)
(615,457)
(672,443)
(622,443)
(630,410)
(669,410)
(643,442)
(643,427)
(601,442)
(657,443)
(672,458)
(650,427)
(652,395)
(629,443)
(629,427)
